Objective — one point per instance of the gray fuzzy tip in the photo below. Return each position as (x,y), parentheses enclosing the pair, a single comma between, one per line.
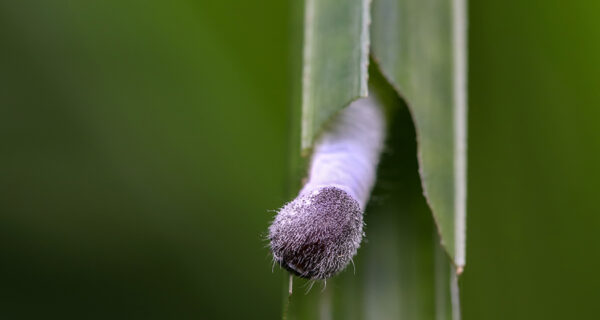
(316,235)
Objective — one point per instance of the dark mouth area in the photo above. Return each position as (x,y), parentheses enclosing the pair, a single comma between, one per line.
(305,261)
(297,269)
(302,263)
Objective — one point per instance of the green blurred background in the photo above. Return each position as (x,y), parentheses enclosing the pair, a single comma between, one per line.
(143,143)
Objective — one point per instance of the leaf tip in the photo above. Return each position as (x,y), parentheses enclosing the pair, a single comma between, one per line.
(459,270)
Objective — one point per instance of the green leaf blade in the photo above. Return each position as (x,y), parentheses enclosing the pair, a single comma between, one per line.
(420,48)
(335,60)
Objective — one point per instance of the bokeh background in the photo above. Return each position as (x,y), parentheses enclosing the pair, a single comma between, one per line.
(143,145)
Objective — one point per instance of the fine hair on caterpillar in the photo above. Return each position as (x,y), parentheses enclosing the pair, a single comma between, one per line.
(316,235)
